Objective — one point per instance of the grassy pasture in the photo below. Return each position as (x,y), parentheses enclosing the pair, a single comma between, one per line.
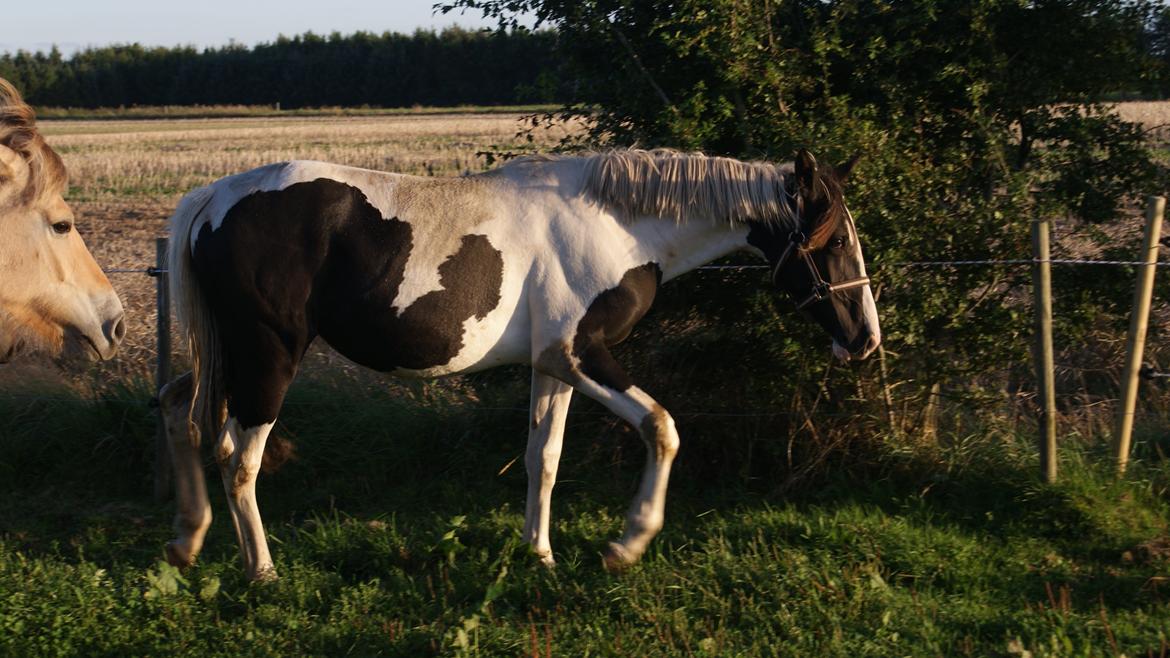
(397,528)
(396,534)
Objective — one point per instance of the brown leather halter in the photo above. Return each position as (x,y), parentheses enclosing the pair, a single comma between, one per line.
(821,289)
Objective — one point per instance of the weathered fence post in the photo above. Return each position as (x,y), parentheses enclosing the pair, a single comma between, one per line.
(162,373)
(1045,379)
(1138,321)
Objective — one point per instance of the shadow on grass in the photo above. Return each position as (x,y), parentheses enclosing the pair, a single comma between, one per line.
(381,477)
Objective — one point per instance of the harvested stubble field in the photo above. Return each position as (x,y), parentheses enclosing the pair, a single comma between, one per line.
(1153,115)
(397,530)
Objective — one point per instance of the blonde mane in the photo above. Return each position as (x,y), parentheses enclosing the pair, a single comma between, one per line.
(18,131)
(684,186)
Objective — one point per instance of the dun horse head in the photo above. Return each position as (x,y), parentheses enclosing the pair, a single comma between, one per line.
(53,296)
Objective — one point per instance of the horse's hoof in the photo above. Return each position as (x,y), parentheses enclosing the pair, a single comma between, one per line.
(177,556)
(617,558)
(265,574)
(548,562)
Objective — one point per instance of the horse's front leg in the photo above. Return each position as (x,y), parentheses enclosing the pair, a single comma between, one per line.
(547,410)
(594,372)
(193,512)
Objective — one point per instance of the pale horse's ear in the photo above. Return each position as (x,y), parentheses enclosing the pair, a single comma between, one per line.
(13,173)
(806,171)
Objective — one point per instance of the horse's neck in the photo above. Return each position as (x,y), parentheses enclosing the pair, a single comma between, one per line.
(679,248)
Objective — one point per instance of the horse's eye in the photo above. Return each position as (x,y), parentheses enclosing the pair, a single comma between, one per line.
(62,227)
(838,243)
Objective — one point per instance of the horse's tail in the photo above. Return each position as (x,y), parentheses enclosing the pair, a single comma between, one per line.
(196,322)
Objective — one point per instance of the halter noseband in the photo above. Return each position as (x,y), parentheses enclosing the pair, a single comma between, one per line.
(821,289)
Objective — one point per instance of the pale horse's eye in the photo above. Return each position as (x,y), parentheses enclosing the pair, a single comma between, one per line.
(62,227)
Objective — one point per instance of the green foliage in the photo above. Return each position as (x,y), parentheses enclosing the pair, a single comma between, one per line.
(972,119)
(452,67)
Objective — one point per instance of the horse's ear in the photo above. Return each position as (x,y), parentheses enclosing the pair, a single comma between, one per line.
(13,171)
(806,170)
(842,170)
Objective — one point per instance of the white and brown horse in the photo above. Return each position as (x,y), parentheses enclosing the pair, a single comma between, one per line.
(545,261)
(53,296)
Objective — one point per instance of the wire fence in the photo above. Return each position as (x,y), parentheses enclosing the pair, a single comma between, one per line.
(877,265)
(1148,372)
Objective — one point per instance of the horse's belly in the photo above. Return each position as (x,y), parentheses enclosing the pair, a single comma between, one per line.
(436,335)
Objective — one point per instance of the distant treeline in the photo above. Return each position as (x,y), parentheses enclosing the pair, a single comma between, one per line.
(452,67)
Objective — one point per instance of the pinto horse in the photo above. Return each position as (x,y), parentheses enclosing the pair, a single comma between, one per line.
(546,261)
(53,296)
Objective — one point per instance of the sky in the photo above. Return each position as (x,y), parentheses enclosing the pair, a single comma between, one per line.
(72,25)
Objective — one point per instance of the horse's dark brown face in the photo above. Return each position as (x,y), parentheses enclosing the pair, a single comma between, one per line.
(821,266)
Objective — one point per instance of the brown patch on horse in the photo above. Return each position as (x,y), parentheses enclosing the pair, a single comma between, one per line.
(610,318)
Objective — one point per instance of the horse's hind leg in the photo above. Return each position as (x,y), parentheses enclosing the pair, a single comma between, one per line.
(239,453)
(262,366)
(548,409)
(193,513)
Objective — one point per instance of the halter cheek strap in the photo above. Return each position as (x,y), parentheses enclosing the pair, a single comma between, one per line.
(821,289)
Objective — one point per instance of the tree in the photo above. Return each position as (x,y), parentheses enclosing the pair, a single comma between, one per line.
(451,67)
(973,119)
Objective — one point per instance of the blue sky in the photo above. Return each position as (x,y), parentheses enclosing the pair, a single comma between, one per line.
(75,24)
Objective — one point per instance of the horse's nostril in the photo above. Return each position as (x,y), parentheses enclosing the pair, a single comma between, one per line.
(117,331)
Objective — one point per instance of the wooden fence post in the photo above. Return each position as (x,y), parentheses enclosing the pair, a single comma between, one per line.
(1138,321)
(162,373)
(1045,379)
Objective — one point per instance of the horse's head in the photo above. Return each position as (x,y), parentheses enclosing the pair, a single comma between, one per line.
(820,264)
(53,296)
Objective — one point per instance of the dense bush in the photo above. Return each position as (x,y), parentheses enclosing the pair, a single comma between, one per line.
(973,119)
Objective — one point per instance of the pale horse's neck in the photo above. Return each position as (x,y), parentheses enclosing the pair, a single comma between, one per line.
(679,248)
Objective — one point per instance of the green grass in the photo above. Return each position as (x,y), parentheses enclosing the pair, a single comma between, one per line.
(394,534)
